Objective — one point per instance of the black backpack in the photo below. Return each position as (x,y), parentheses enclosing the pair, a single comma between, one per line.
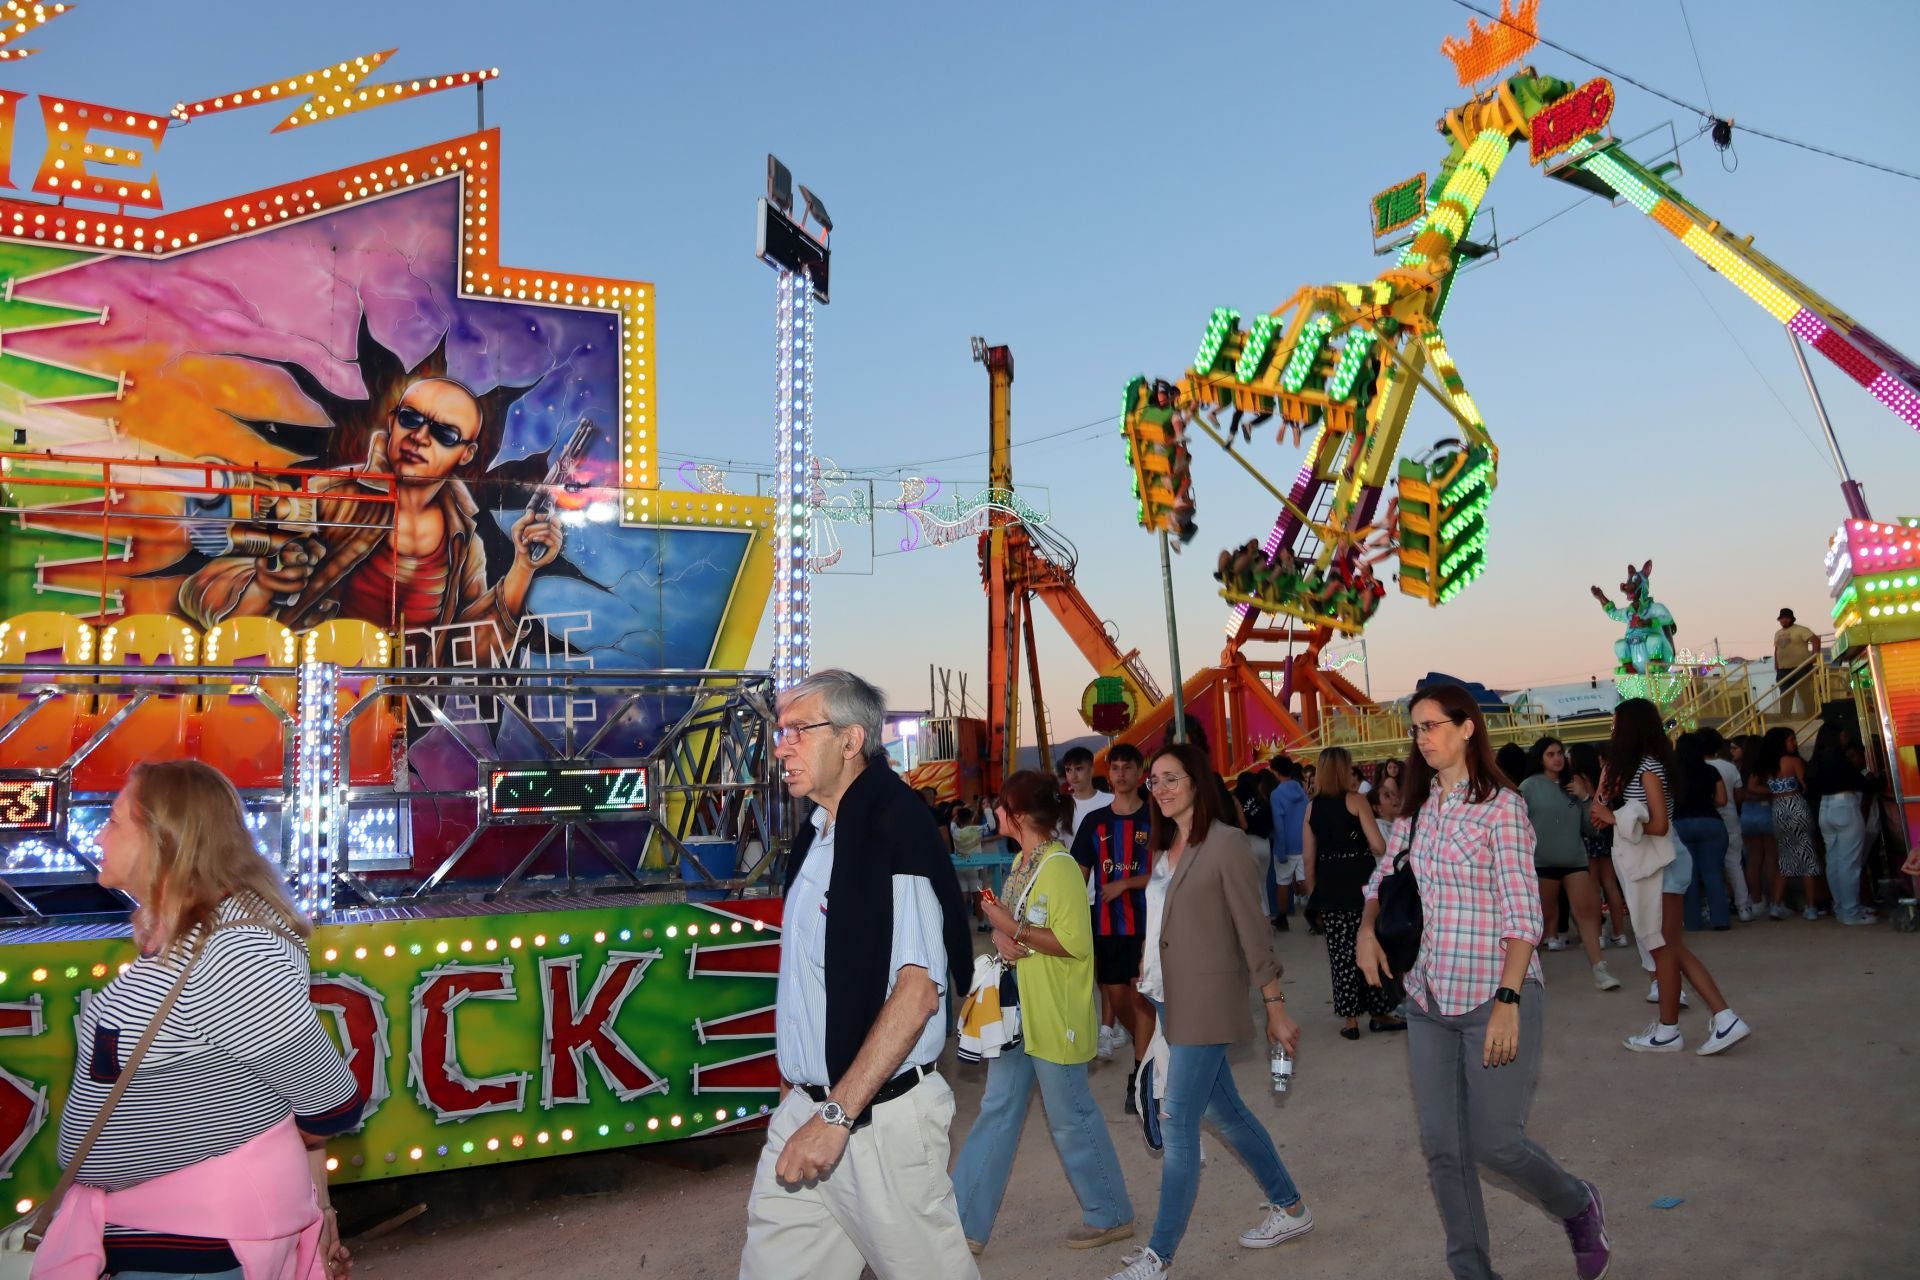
(1399,922)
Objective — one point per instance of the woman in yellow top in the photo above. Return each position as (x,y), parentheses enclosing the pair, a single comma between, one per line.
(1044,929)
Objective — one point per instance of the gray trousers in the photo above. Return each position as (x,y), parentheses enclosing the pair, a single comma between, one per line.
(1474,1117)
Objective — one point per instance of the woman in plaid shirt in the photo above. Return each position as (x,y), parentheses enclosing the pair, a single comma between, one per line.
(1475,990)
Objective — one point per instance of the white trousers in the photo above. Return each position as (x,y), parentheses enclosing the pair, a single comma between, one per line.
(888,1204)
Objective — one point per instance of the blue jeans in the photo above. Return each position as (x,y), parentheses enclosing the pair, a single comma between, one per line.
(1844,829)
(1199,1084)
(1079,1134)
(1706,840)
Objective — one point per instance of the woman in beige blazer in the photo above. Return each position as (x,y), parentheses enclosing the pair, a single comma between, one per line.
(1212,944)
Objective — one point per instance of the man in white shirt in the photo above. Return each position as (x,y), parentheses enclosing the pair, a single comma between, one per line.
(1077,764)
(855,1168)
(1716,749)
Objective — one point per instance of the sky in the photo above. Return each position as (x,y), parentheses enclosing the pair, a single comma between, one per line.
(1085,183)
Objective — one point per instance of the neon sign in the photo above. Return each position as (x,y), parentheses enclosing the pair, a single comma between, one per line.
(28,804)
(1399,205)
(541,793)
(1582,113)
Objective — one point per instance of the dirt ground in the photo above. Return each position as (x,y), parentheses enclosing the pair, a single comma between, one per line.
(1796,1154)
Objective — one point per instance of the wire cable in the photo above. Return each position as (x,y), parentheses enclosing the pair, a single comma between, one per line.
(1688,106)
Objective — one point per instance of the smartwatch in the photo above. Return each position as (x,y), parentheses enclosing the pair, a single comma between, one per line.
(833,1113)
(1507,995)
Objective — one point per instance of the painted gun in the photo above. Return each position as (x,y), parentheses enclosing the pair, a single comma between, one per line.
(560,467)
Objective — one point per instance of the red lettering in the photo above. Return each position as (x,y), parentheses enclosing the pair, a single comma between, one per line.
(9,105)
(433,1062)
(574,1033)
(23,1104)
(1585,111)
(359,1015)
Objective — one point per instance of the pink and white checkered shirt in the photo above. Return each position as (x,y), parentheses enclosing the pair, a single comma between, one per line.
(1474,864)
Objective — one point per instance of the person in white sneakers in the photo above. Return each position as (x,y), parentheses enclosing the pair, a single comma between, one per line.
(1213,944)
(1635,801)
(1560,851)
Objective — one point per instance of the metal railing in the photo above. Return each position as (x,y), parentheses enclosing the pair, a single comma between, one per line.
(705,738)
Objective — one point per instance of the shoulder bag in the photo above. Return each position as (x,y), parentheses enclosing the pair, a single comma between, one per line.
(1398,924)
(19,1242)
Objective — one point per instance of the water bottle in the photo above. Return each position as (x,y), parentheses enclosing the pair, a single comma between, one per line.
(1282,1065)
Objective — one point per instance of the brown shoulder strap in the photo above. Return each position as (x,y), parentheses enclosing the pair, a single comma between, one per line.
(80,1153)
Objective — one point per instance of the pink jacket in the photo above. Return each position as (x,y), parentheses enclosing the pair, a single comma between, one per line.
(259,1198)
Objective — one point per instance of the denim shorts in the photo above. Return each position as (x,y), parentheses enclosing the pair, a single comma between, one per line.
(1678,874)
(1756,819)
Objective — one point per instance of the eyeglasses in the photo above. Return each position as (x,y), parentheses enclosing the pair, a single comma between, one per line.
(1421,728)
(793,732)
(444,434)
(1160,782)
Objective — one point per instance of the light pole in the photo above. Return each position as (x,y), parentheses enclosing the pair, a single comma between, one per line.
(1179,733)
(802,260)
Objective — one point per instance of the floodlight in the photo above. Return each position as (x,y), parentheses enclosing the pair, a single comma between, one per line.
(816,210)
(780,184)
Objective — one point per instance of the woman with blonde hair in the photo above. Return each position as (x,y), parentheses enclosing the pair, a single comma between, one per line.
(1339,846)
(209,1158)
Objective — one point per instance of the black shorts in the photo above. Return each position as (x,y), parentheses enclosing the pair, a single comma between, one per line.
(1116,960)
(1557,873)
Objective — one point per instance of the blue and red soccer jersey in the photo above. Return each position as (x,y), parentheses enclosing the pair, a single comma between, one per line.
(1114,846)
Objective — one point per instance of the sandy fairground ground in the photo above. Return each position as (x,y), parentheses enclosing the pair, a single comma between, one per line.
(1796,1154)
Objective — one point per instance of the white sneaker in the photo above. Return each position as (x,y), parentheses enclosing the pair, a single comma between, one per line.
(1142,1264)
(1104,1042)
(1556,943)
(1278,1227)
(1603,979)
(1725,1037)
(1651,1041)
(1747,913)
(1620,940)
(1653,995)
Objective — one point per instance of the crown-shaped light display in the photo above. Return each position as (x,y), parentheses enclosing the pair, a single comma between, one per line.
(1500,43)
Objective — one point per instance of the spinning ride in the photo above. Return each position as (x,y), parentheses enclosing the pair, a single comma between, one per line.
(1344,361)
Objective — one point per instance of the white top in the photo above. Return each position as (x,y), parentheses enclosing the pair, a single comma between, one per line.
(1081,808)
(1730,811)
(800,1013)
(1151,985)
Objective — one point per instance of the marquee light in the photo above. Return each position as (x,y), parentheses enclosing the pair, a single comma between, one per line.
(332,92)
(1222,323)
(1259,345)
(1306,350)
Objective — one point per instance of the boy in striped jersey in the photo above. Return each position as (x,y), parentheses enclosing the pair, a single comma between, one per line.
(1112,846)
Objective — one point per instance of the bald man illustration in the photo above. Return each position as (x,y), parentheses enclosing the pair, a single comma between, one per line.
(416,563)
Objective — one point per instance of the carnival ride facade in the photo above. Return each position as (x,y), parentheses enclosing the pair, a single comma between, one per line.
(309,484)
(1344,362)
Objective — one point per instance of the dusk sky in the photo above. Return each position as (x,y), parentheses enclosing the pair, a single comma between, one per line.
(1085,183)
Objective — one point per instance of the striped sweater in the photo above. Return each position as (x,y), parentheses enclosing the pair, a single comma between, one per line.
(241,1050)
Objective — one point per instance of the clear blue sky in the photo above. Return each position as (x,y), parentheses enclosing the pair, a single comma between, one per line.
(1085,183)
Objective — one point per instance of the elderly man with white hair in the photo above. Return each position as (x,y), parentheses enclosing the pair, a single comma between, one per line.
(855,1168)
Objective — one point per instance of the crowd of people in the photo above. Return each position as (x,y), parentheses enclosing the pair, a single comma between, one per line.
(1139,914)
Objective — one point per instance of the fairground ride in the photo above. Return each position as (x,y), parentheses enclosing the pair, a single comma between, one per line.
(1345,361)
(1023,561)
(400,566)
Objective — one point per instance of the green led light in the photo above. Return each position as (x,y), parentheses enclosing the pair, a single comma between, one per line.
(1305,352)
(1253,356)
(466,1148)
(1223,322)
(1462,519)
(1352,358)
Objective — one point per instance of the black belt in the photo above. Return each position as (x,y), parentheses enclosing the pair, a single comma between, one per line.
(892,1089)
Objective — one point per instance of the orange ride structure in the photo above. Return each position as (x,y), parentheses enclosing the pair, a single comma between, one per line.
(1342,364)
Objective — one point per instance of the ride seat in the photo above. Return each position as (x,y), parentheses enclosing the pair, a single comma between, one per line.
(355,643)
(49,638)
(162,727)
(241,734)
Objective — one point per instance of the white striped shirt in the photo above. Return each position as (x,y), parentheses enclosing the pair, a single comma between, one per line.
(241,1049)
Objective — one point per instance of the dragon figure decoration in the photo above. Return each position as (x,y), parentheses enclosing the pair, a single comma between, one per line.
(1647,646)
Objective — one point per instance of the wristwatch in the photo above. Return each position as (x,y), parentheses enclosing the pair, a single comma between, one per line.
(1507,995)
(833,1113)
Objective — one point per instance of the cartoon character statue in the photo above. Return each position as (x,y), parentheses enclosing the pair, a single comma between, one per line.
(1647,645)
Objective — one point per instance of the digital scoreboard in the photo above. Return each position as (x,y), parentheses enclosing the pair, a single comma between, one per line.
(28,803)
(563,792)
